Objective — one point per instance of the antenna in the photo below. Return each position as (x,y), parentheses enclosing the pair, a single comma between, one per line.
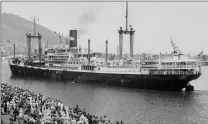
(126,16)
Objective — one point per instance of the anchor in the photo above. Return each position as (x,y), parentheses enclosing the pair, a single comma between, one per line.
(189,87)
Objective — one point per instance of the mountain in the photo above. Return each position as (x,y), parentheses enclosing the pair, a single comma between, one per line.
(15,28)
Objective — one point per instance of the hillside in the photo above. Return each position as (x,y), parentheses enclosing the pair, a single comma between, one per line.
(15,27)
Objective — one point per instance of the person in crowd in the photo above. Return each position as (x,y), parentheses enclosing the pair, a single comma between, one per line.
(25,107)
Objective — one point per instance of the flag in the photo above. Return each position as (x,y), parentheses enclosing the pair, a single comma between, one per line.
(71,38)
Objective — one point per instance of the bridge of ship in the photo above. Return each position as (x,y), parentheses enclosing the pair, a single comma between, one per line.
(57,60)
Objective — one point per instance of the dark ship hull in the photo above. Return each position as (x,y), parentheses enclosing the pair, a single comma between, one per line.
(154,82)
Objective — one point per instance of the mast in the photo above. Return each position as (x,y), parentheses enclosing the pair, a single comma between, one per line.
(120,32)
(14,49)
(39,44)
(131,42)
(106,52)
(28,36)
(34,26)
(89,51)
(126,16)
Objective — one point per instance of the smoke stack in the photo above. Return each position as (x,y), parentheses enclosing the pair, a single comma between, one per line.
(106,51)
(73,38)
(120,42)
(89,51)
(131,42)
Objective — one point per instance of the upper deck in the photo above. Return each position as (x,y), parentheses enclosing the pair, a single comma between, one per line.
(145,62)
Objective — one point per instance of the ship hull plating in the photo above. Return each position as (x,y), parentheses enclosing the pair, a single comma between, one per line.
(154,82)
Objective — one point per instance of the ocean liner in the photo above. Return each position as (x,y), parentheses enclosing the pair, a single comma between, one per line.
(171,72)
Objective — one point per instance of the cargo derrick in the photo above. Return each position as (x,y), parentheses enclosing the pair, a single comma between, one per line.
(126,32)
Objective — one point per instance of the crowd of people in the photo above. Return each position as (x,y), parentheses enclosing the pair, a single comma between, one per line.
(25,107)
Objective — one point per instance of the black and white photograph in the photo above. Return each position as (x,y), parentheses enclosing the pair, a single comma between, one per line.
(104,62)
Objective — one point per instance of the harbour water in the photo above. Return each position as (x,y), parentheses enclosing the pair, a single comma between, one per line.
(129,105)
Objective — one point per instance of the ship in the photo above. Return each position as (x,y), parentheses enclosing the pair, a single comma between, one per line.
(171,72)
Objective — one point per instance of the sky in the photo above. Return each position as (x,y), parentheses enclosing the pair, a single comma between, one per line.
(186,23)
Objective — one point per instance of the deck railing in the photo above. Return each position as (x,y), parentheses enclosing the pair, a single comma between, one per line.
(177,66)
(175,72)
